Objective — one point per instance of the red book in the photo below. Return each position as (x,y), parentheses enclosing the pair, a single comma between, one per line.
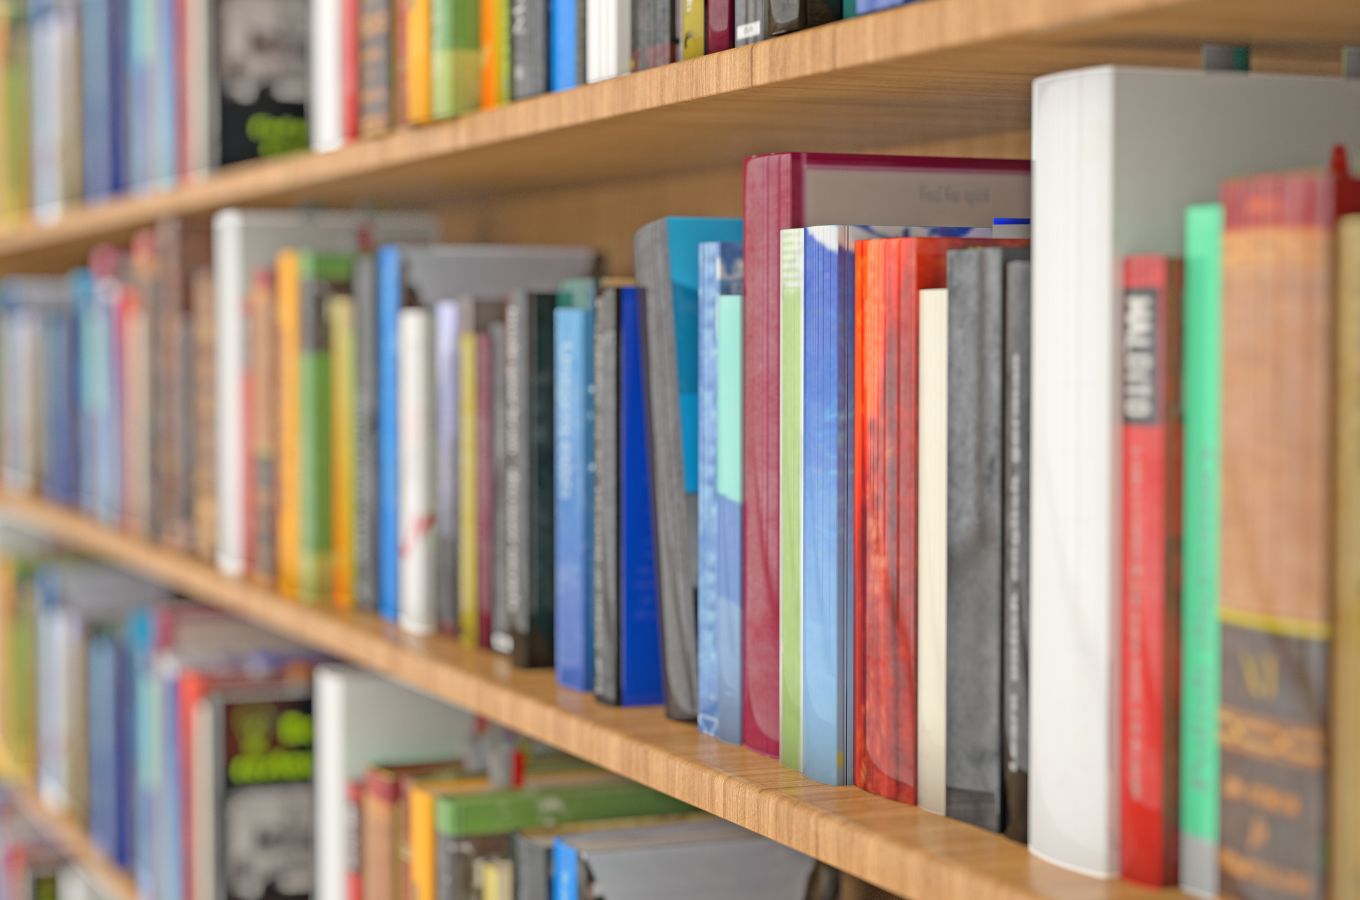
(354,810)
(793,190)
(486,488)
(718,16)
(1150,578)
(859,770)
(349,72)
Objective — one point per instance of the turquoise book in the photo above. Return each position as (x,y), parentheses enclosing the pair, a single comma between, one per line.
(729,484)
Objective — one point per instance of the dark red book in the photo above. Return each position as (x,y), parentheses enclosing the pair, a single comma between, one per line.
(718,23)
(1150,577)
(486,487)
(858,768)
(349,71)
(792,190)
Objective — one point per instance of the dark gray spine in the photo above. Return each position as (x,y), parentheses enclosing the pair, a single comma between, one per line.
(606,552)
(448,868)
(528,48)
(533,868)
(653,37)
(535,648)
(751,23)
(500,619)
(973,655)
(787,15)
(366,451)
(1015,557)
(514,502)
(676,512)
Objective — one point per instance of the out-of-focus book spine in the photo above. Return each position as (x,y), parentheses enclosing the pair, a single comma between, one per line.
(340,337)
(573,497)
(470,537)
(415,512)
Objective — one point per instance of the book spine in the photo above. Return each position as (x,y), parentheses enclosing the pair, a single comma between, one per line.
(819,12)
(470,540)
(340,336)
(351,68)
(1279,558)
(707,693)
(573,619)
(315,559)
(488,511)
(448,414)
(442,56)
(605,549)
(501,641)
(417,70)
(262,470)
(791,278)
(932,674)
(973,527)
(494,29)
(536,646)
(366,432)
(566,38)
(611,56)
(729,400)
(1151,575)
(1202,396)
(416,551)
(396,75)
(718,21)
(1015,555)
(288,311)
(689,30)
(639,646)
(375,54)
(653,33)
(205,433)
(515,500)
(325,95)
(528,48)
(785,16)
(389,289)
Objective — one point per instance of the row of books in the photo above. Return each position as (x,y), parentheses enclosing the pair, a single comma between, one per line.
(102,97)
(33,867)
(216,761)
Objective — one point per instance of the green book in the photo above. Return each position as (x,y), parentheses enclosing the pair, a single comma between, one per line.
(791,498)
(507,811)
(455,58)
(1202,398)
(321,275)
(577,293)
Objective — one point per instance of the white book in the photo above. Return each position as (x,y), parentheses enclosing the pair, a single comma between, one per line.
(609,39)
(932,547)
(243,241)
(416,605)
(325,101)
(361,718)
(1118,154)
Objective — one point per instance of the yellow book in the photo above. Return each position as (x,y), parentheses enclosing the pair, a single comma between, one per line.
(498,879)
(340,324)
(421,796)
(288,517)
(469,617)
(418,74)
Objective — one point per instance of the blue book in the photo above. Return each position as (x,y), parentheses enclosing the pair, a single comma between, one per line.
(166,85)
(566,878)
(566,39)
(639,630)
(828,501)
(92,375)
(141,642)
(137,96)
(719,273)
(103,45)
(111,457)
(390,293)
(573,497)
(109,735)
(169,799)
(868,6)
(61,404)
(729,537)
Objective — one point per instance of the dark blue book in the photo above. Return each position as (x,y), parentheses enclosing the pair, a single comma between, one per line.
(639,631)
(103,45)
(719,273)
(109,733)
(61,407)
(573,497)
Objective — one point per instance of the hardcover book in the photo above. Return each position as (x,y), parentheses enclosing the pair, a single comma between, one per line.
(528,48)
(468,451)
(375,67)
(417,606)
(573,496)
(653,33)
(605,565)
(456,59)
(1015,555)
(568,27)
(729,430)
(261,48)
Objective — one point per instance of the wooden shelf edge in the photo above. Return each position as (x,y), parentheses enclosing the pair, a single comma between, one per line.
(70,836)
(895,846)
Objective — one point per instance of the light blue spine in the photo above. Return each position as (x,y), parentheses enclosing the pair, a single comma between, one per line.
(563,44)
(729,483)
(146,748)
(111,455)
(170,831)
(707,613)
(165,84)
(828,498)
(573,497)
(566,881)
(389,301)
(137,92)
(92,375)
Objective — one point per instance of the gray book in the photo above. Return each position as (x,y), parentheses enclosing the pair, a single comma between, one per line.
(532,853)
(974,538)
(751,21)
(1015,557)
(364,290)
(527,501)
(529,47)
(605,560)
(676,511)
(653,33)
(500,622)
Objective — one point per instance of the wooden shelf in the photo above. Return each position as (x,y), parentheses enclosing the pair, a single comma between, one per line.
(898,847)
(71,837)
(932,75)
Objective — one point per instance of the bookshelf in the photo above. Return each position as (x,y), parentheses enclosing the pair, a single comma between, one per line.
(66,833)
(941,76)
(897,847)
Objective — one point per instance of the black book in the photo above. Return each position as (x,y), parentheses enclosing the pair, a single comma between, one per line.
(260,78)
(1015,558)
(785,16)
(606,551)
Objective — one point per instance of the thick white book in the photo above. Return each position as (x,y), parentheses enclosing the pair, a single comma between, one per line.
(609,39)
(932,546)
(244,241)
(361,718)
(325,100)
(1119,152)
(416,604)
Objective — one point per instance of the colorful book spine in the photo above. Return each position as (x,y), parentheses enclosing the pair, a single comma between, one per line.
(390,285)
(204,503)
(792,275)
(1015,555)
(639,644)
(14,94)
(706,617)
(375,67)
(287,324)
(729,474)
(1151,573)
(567,44)
(1201,512)
(323,274)
(718,25)
(262,442)
(340,331)
(573,496)
(448,417)
(494,33)
(456,58)
(103,45)
(419,42)
(470,536)
(418,613)
(690,32)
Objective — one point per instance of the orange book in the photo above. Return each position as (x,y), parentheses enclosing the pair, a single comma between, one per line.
(339,317)
(288,520)
(418,73)
(494,25)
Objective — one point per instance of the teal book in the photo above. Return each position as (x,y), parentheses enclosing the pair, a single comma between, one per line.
(1202,392)
(791,277)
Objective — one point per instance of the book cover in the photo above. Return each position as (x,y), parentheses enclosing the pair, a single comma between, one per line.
(729,502)
(456,57)
(573,496)
(528,48)
(416,547)
(791,191)
(1151,576)
(340,337)
(639,634)
(261,79)
(470,535)
(1201,511)
(791,293)
(375,67)
(666,254)
(1015,555)
(1279,559)
(605,566)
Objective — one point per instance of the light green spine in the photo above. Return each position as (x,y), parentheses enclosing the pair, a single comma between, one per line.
(455,58)
(1202,392)
(791,498)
